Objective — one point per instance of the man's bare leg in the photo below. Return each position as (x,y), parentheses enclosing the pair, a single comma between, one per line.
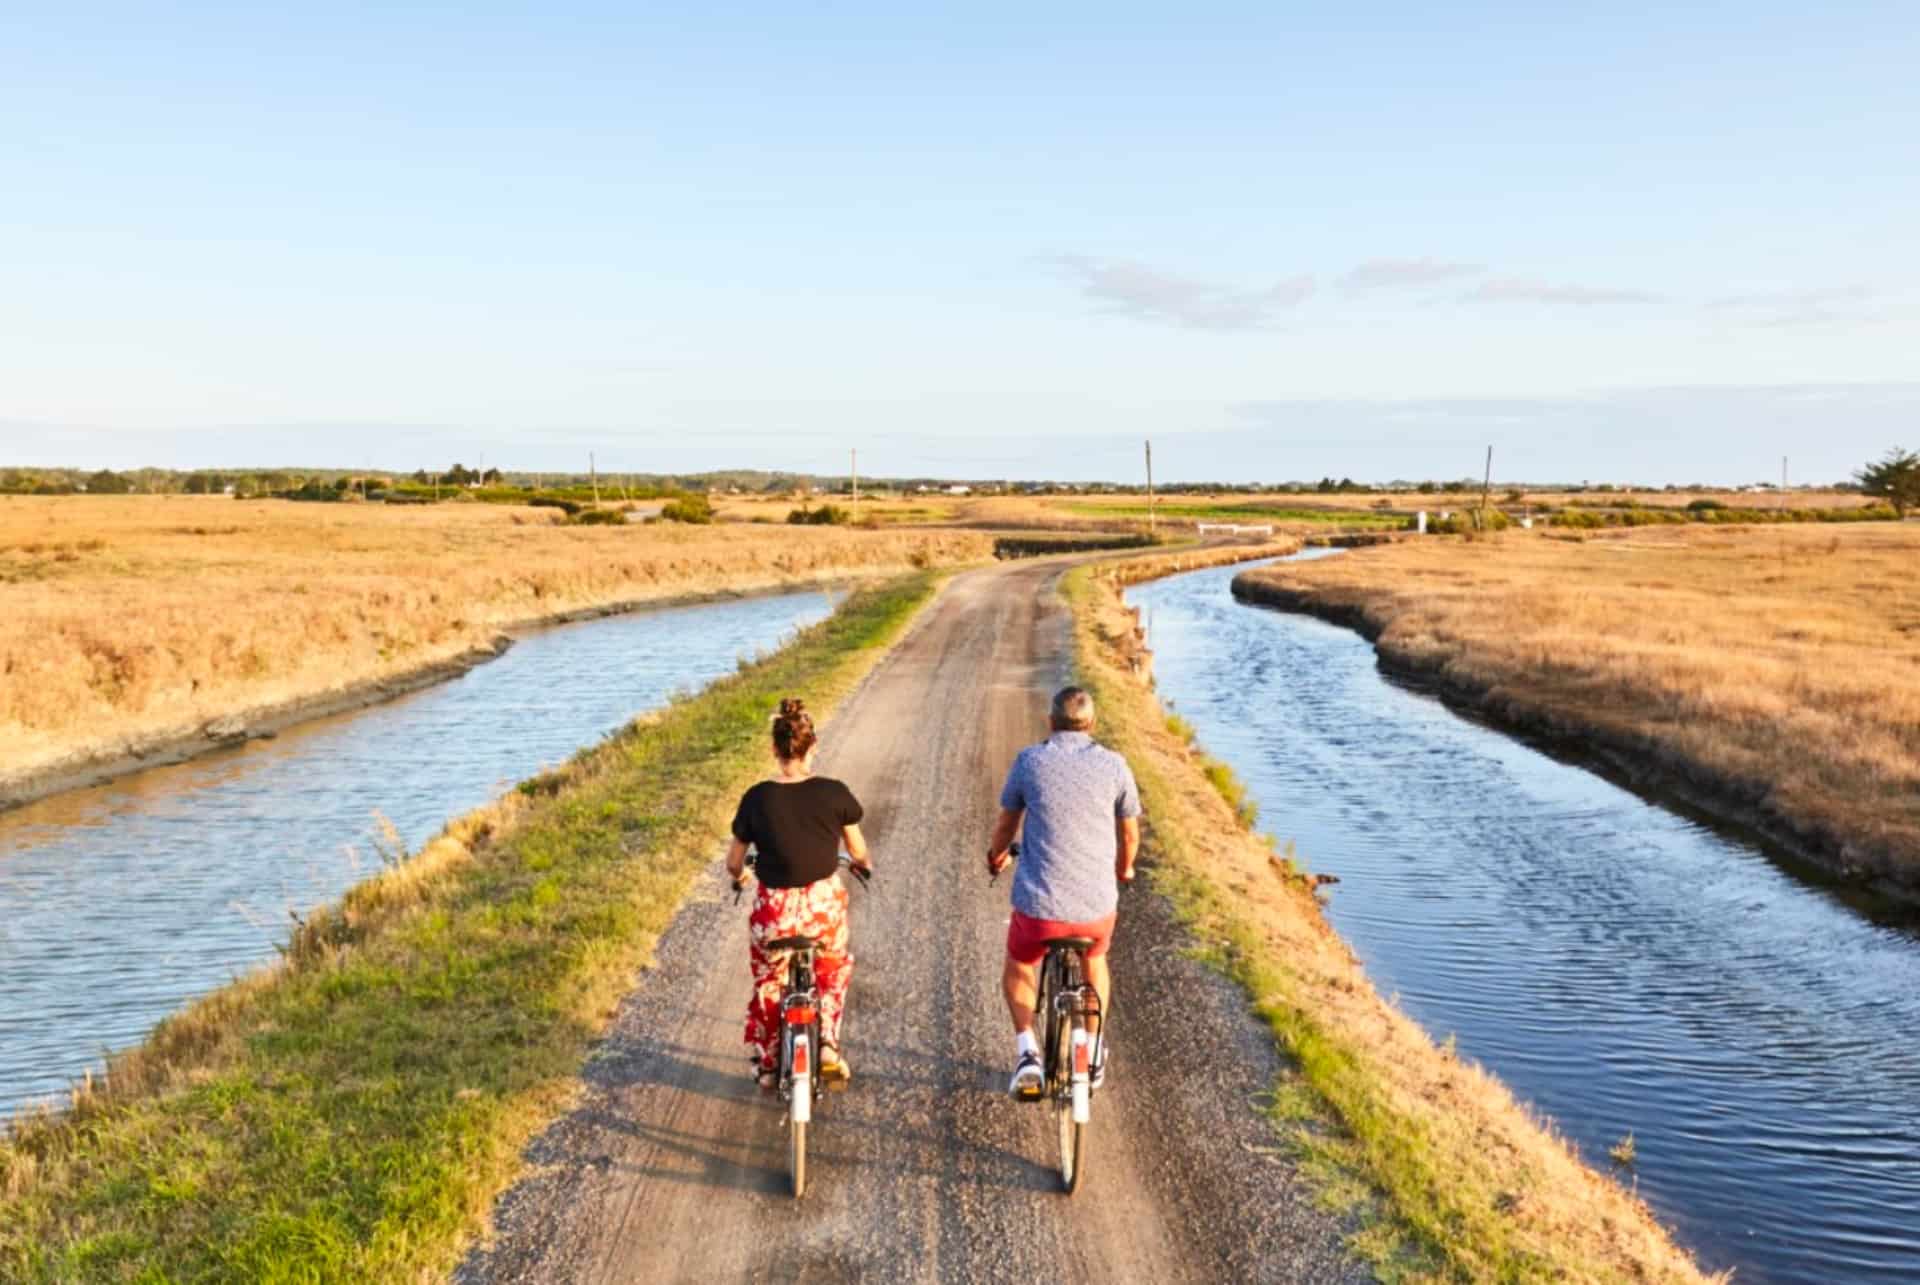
(1102,979)
(1020,983)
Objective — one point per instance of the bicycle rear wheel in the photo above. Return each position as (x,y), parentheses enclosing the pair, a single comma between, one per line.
(797,1156)
(802,1073)
(1073,1148)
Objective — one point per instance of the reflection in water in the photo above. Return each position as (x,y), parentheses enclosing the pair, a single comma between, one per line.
(1621,967)
(120,903)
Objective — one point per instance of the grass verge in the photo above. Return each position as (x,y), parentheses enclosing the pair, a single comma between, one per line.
(1446,1176)
(351,1113)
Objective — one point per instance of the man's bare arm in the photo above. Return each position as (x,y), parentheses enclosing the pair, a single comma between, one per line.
(1126,833)
(1003,831)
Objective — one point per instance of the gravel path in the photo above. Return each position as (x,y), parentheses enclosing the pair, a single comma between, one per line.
(673,1167)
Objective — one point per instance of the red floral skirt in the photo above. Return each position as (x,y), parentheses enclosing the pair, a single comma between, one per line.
(819,910)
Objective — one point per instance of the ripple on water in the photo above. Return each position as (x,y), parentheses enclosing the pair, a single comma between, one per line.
(1622,967)
(118,904)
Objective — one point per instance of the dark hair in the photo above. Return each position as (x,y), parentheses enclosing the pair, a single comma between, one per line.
(793,730)
(1072,710)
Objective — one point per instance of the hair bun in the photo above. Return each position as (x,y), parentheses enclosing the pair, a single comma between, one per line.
(793,733)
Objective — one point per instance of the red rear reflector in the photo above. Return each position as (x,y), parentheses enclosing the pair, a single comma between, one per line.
(1080,1059)
(799,1017)
(799,1059)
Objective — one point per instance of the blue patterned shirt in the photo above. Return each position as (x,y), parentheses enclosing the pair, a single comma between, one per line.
(1073,791)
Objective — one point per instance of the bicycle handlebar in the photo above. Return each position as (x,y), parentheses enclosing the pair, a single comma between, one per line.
(863,873)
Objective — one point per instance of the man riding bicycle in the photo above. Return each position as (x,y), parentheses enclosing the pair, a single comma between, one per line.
(1081,809)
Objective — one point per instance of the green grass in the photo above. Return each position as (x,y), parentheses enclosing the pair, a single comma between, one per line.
(352,1115)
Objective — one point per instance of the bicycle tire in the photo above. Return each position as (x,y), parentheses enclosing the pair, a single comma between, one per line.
(1072,1133)
(1073,1149)
(797,1157)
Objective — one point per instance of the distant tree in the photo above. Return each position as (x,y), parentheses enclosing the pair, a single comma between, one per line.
(491,477)
(1426,488)
(1895,478)
(107,482)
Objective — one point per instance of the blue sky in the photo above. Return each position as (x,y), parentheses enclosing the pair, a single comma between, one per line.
(1666,245)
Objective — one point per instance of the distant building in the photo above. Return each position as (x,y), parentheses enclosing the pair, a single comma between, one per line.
(958,489)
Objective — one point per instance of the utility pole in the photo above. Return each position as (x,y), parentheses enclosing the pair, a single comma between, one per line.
(1486,489)
(593,475)
(853,476)
(1152,526)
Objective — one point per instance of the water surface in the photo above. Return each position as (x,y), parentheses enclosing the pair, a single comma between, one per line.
(121,902)
(1622,967)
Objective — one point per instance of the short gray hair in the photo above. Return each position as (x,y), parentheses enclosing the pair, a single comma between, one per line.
(1072,710)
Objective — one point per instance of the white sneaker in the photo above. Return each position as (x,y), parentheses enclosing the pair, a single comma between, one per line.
(1097,1073)
(1028,1078)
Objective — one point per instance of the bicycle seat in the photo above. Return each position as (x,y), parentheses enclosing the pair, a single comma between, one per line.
(1069,943)
(792,943)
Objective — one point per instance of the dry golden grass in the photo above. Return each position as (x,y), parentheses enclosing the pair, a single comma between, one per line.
(1775,671)
(1448,1177)
(129,621)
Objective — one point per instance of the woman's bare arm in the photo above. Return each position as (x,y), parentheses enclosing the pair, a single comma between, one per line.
(737,861)
(856,845)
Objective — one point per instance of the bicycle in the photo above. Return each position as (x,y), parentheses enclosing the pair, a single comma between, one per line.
(799,1070)
(1072,1041)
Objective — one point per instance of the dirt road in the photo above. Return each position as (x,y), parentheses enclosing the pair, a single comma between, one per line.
(673,1167)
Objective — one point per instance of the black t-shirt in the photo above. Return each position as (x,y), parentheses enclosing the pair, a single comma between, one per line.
(796,827)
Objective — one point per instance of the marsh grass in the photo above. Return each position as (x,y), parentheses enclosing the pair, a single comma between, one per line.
(127,620)
(1443,1174)
(1776,669)
(351,1113)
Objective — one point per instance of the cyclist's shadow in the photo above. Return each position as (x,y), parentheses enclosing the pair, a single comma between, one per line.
(630,1124)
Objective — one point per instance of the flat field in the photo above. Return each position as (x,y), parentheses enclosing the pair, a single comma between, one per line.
(128,621)
(1776,669)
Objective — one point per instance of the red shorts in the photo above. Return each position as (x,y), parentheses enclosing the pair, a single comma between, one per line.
(1027,938)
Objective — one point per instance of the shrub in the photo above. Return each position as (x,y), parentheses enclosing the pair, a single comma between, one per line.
(598,517)
(554,502)
(825,515)
(1461,522)
(689,508)
(1704,506)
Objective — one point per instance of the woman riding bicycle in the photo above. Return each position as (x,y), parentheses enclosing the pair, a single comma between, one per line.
(797,822)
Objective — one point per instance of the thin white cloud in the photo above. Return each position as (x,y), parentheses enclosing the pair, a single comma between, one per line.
(1531,290)
(1376,274)
(1809,306)
(1130,289)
